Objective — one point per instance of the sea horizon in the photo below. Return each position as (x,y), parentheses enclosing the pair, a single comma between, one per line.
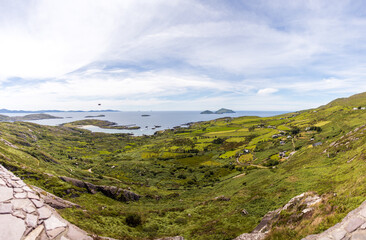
(154,121)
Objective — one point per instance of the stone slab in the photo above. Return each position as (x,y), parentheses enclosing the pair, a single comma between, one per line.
(6,208)
(6,193)
(31,195)
(55,232)
(31,220)
(11,228)
(2,183)
(35,233)
(44,212)
(19,214)
(339,233)
(21,195)
(37,203)
(76,234)
(18,190)
(358,235)
(354,223)
(53,222)
(21,203)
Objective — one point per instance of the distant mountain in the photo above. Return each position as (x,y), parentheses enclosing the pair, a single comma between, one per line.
(42,111)
(220,111)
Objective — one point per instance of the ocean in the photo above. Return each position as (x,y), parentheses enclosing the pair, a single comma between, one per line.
(164,119)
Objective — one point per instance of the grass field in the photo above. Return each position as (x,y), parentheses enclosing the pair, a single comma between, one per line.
(180,173)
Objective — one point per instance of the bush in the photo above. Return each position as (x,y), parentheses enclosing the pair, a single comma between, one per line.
(218,141)
(182,176)
(295,130)
(133,220)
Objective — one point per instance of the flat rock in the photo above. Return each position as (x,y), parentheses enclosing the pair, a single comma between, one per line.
(76,234)
(30,209)
(15,184)
(359,235)
(363,226)
(2,183)
(31,195)
(43,236)
(21,195)
(19,214)
(11,228)
(35,233)
(6,193)
(339,233)
(31,220)
(26,188)
(52,223)
(44,212)
(354,223)
(37,203)
(21,203)
(5,208)
(18,190)
(325,238)
(363,213)
(55,232)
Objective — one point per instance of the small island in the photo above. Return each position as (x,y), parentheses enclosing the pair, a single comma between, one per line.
(99,123)
(207,112)
(29,117)
(101,115)
(220,111)
(145,115)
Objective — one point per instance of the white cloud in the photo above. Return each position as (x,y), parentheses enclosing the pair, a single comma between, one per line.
(266,91)
(160,53)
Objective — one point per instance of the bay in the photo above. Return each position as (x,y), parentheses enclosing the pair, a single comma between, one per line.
(147,120)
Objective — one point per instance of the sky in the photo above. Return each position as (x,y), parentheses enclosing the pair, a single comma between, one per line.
(133,55)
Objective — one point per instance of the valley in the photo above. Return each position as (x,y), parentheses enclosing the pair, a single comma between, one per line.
(197,181)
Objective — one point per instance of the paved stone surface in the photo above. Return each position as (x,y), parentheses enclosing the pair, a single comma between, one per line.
(11,228)
(6,208)
(6,193)
(338,234)
(35,233)
(53,222)
(25,216)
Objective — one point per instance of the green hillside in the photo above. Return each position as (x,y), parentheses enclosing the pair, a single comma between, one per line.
(196,181)
(357,100)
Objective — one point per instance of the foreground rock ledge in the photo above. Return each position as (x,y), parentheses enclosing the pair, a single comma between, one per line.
(352,227)
(25,216)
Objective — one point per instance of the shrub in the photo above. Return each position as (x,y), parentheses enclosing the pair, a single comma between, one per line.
(133,220)
(295,130)
(218,141)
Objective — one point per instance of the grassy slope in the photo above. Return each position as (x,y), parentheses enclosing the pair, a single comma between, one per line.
(180,172)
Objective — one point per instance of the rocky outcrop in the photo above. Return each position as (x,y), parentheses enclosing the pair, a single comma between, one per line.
(24,215)
(52,200)
(352,227)
(109,191)
(260,232)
